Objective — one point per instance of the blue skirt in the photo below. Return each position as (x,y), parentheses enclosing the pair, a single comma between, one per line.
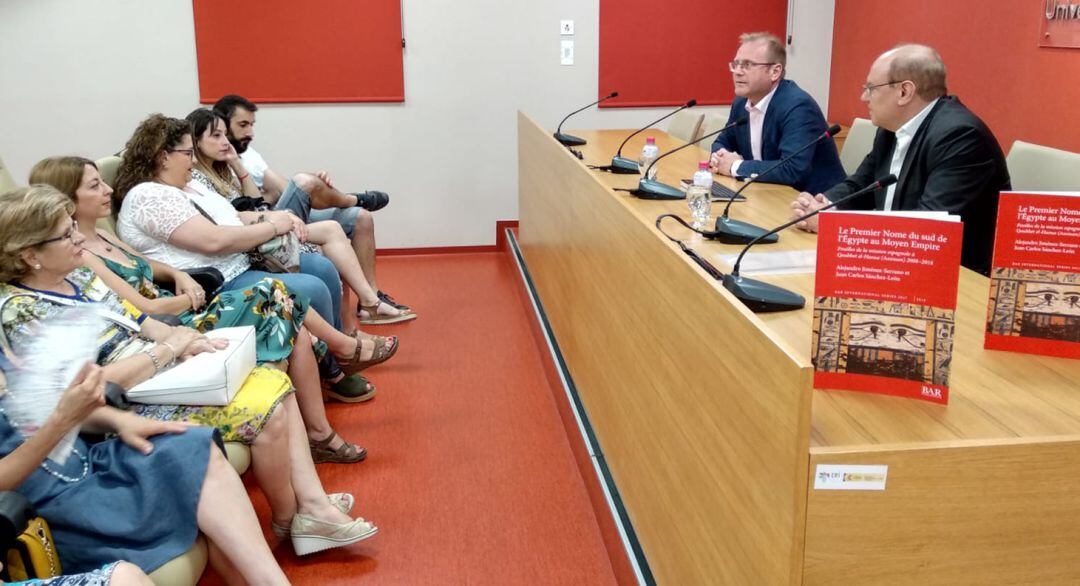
(130,506)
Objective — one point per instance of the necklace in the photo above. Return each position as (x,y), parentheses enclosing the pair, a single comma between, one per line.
(104,243)
(85,468)
(82,458)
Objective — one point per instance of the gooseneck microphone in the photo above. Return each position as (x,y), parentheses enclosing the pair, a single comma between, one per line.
(731,231)
(652,189)
(569,139)
(623,166)
(762,297)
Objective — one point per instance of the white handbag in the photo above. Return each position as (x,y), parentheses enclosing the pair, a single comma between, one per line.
(210,378)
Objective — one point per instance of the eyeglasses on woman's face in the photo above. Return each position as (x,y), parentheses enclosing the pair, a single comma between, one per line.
(68,235)
(189,152)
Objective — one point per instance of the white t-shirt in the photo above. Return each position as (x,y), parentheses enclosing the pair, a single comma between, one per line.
(152,211)
(255,164)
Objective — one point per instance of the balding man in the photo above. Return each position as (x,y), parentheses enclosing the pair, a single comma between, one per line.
(782,119)
(945,157)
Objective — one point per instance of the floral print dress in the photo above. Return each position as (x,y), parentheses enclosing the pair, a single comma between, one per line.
(23,308)
(276,313)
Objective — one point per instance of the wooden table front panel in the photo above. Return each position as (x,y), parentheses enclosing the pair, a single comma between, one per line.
(703,420)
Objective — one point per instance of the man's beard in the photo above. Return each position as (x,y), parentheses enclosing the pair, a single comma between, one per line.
(240,146)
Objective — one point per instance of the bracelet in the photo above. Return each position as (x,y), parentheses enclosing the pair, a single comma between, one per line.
(153,358)
(244,176)
(175,354)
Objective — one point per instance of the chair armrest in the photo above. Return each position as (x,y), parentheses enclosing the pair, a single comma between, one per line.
(15,514)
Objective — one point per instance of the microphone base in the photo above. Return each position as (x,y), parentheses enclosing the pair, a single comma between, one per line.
(624,166)
(730,231)
(569,139)
(762,297)
(649,189)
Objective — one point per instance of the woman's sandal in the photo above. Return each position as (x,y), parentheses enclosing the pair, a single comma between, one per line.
(374,318)
(346,453)
(385,347)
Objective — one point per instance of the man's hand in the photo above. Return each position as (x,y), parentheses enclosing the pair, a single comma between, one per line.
(804,205)
(325,177)
(721,161)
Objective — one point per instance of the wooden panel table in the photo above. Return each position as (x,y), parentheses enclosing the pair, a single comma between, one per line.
(706,415)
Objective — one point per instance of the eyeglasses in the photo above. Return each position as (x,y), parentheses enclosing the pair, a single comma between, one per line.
(869,89)
(69,235)
(744,65)
(188,152)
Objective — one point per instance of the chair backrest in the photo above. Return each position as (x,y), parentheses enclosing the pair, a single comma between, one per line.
(859,141)
(107,167)
(712,122)
(1034,167)
(7,182)
(685,125)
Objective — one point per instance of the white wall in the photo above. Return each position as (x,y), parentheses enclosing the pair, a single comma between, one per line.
(810,54)
(76,77)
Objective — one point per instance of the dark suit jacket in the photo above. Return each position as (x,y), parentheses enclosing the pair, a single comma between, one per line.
(791,122)
(954,164)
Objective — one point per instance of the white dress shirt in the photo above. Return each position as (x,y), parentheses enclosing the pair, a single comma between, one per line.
(903,141)
(756,113)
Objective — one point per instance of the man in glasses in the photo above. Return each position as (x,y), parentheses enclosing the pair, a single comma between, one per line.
(782,119)
(945,157)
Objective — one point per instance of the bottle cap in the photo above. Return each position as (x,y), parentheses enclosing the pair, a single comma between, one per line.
(703,165)
(650,140)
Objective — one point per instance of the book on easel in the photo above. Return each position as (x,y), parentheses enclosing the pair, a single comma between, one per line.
(1035,277)
(885,302)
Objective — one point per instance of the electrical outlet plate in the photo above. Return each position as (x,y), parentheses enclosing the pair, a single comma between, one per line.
(566,27)
(566,55)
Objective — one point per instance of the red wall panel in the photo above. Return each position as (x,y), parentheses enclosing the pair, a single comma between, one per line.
(664,53)
(991,54)
(285,51)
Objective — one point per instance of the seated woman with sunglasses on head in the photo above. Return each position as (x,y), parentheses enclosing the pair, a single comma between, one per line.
(215,175)
(40,267)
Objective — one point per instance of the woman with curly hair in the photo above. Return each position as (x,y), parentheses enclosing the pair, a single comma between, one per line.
(182,228)
(280,317)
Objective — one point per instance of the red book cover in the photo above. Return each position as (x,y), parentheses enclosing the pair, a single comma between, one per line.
(1035,278)
(885,303)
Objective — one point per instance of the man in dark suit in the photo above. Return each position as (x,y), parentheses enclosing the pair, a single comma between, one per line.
(944,156)
(782,119)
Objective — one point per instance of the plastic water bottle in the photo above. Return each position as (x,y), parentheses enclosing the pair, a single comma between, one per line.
(699,196)
(648,155)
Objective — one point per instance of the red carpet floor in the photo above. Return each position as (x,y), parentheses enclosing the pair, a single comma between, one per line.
(470,476)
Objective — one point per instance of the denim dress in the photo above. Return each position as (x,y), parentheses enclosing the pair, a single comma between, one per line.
(109,502)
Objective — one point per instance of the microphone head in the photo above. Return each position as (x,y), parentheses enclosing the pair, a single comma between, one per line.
(833,130)
(691,103)
(740,121)
(613,95)
(887,180)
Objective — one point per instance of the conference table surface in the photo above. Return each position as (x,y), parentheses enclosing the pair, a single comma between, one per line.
(992,394)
